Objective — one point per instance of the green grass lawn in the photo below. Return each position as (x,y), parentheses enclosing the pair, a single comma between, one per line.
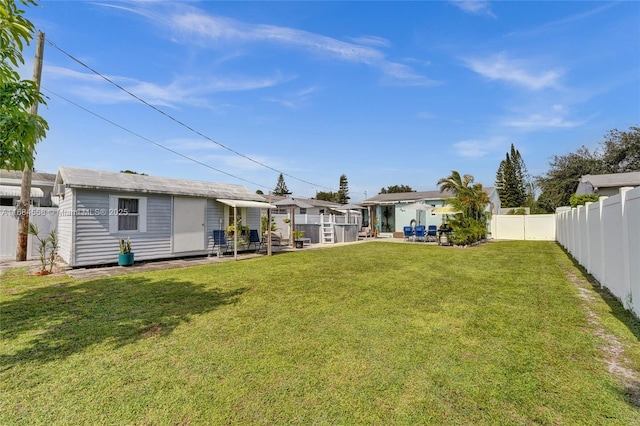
(375,333)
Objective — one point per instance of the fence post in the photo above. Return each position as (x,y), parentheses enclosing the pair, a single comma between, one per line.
(626,277)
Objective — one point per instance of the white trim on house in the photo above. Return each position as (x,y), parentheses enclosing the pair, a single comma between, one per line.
(245,203)
(114,212)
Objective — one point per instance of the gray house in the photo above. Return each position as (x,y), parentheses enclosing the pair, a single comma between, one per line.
(164,218)
(608,184)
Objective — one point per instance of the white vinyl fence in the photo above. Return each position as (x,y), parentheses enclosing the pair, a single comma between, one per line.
(46,218)
(540,227)
(604,237)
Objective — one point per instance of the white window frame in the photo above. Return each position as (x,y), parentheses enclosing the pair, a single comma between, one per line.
(228,213)
(114,214)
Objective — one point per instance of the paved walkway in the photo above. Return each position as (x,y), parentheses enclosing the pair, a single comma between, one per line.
(154,265)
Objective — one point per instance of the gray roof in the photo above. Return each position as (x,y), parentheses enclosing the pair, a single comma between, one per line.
(312,201)
(614,180)
(127,182)
(410,197)
(406,197)
(14,177)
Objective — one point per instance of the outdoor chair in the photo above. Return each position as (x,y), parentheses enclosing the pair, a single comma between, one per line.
(254,238)
(432,233)
(420,233)
(408,232)
(220,243)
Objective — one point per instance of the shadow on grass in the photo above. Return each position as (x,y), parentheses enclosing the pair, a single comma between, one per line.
(630,387)
(618,310)
(54,322)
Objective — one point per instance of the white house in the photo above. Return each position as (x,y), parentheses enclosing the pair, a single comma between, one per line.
(390,213)
(41,188)
(164,218)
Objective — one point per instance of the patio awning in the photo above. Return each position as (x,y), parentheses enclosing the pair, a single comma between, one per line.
(14,191)
(446,209)
(246,203)
(292,203)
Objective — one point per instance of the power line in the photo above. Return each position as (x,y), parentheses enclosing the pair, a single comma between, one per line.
(179,122)
(150,141)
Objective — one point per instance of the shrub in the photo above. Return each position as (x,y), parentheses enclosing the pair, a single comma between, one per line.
(580,199)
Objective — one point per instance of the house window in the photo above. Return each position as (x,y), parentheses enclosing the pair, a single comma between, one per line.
(239,215)
(303,210)
(127,214)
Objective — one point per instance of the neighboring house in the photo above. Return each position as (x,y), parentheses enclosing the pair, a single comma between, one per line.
(319,206)
(608,184)
(164,218)
(390,215)
(41,188)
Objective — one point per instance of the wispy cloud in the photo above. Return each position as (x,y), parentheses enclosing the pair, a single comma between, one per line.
(476,7)
(371,41)
(182,90)
(478,148)
(566,20)
(211,31)
(470,148)
(552,119)
(294,100)
(500,67)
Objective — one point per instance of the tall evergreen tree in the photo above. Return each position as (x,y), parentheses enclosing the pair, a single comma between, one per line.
(511,180)
(343,192)
(281,187)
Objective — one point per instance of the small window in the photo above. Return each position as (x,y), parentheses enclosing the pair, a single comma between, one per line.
(303,210)
(128,214)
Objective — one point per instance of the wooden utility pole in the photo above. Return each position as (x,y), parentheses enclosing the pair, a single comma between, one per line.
(25,189)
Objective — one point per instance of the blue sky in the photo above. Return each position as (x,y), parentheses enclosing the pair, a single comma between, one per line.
(388,93)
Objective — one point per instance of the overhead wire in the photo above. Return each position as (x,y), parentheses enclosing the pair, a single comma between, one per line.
(179,122)
(151,141)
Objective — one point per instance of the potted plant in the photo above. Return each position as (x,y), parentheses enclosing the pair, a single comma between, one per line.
(125,258)
(296,237)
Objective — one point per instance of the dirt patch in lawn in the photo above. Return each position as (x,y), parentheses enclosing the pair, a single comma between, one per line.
(612,350)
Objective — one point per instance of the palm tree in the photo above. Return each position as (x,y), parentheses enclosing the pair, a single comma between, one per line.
(470,199)
(455,183)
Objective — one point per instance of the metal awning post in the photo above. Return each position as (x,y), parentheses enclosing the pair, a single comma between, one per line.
(242,203)
(293,226)
(268,230)
(235,234)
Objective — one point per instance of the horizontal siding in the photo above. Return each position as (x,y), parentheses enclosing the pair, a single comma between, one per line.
(65,227)
(252,219)
(94,244)
(215,220)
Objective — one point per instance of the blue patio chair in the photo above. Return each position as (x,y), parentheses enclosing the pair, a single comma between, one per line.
(420,233)
(220,243)
(254,238)
(408,232)
(432,233)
